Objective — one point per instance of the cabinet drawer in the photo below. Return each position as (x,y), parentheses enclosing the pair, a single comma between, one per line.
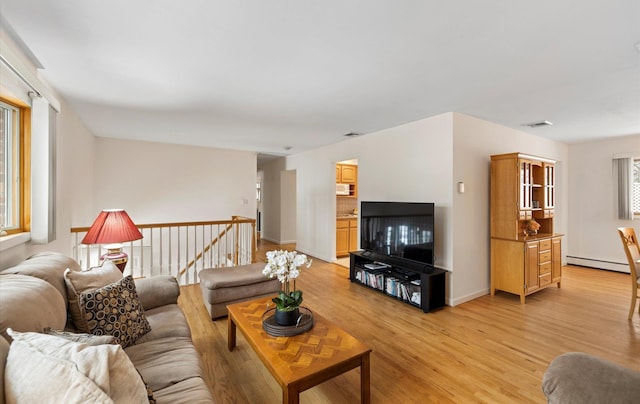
(525,215)
(342,224)
(544,268)
(545,279)
(545,244)
(545,256)
(353,223)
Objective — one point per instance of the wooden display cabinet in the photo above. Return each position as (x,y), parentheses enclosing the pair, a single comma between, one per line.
(522,189)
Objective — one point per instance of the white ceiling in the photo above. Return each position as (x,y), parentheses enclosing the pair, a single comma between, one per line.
(263,75)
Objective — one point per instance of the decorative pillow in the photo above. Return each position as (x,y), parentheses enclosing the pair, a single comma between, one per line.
(43,368)
(78,282)
(114,310)
(89,339)
(93,340)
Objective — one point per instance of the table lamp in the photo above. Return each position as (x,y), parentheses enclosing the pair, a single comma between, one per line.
(113,227)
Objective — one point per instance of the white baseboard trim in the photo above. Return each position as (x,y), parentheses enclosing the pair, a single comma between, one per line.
(598,264)
(467,298)
(279,242)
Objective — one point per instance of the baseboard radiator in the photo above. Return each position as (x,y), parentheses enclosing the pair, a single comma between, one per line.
(599,264)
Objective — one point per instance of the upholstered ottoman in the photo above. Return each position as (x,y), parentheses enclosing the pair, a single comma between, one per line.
(223,286)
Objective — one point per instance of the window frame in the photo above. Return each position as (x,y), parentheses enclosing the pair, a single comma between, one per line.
(23,166)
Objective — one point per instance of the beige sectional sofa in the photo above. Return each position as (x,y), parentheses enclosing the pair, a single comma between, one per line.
(35,296)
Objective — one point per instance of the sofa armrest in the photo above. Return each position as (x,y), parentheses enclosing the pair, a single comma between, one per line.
(4,352)
(576,377)
(157,291)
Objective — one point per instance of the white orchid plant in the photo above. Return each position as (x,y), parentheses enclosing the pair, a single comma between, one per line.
(286,266)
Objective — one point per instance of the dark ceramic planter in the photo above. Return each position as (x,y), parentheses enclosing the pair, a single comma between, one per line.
(287,318)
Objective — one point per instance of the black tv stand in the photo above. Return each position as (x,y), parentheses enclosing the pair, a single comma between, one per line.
(415,283)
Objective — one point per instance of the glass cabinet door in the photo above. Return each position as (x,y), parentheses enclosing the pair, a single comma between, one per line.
(526,184)
(549,186)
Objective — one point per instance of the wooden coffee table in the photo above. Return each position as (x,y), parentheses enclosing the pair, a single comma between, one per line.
(302,361)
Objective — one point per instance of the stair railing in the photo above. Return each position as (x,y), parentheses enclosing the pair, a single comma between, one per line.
(179,249)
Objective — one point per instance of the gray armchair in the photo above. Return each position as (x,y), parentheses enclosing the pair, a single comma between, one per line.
(581,378)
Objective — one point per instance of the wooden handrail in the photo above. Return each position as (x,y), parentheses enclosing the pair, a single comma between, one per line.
(177,224)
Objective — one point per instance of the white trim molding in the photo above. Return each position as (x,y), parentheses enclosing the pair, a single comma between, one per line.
(10,241)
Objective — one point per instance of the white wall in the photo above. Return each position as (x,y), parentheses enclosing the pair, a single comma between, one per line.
(288,207)
(157,182)
(422,161)
(593,219)
(408,163)
(279,202)
(271,196)
(474,141)
(154,182)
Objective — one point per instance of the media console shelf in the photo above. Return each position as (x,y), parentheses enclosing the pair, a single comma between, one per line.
(415,283)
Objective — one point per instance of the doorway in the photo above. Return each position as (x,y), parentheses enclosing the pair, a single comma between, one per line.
(346,210)
(276,208)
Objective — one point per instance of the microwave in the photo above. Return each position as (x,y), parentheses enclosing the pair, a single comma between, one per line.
(342,189)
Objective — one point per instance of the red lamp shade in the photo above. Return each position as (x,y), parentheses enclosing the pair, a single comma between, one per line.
(110,227)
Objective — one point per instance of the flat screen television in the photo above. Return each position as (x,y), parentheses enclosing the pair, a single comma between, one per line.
(398,229)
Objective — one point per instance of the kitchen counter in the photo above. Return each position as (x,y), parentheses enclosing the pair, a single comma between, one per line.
(347,216)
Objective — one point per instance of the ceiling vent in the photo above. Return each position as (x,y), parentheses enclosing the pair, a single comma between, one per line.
(538,124)
(352,134)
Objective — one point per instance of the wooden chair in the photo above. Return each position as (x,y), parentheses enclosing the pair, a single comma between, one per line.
(632,249)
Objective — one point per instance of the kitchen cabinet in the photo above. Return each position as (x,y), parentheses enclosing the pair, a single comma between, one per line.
(346,236)
(346,173)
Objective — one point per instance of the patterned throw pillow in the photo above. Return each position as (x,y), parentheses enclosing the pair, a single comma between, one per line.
(115,310)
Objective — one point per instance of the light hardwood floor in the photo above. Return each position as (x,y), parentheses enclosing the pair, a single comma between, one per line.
(491,349)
